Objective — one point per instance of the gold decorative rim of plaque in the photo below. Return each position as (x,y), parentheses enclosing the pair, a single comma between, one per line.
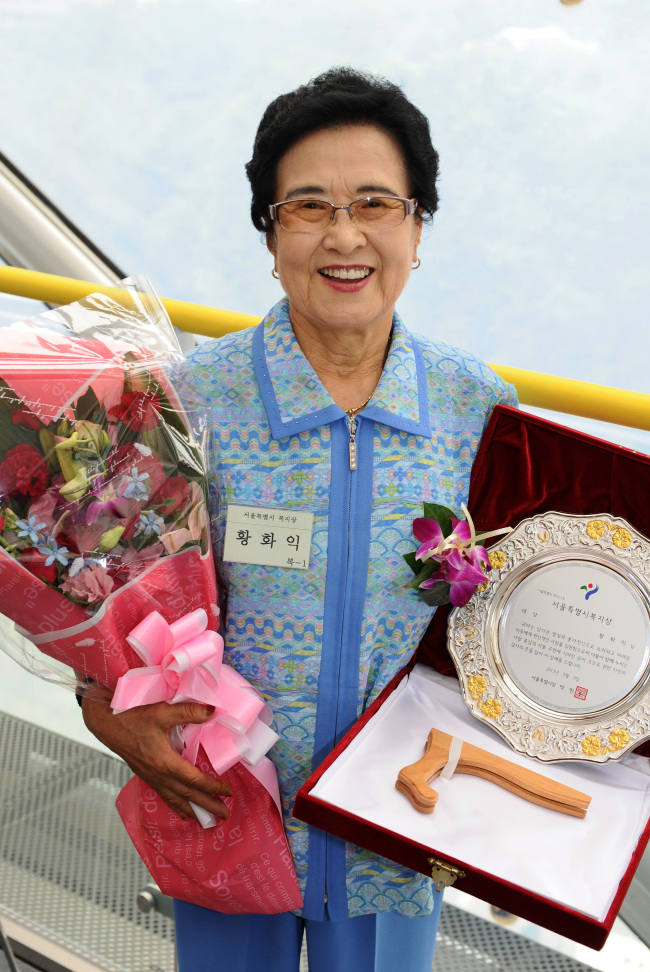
(492,688)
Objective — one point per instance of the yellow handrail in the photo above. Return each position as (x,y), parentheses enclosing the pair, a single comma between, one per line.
(195,318)
(601,402)
(534,388)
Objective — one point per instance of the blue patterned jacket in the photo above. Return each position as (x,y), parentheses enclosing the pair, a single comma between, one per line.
(321,644)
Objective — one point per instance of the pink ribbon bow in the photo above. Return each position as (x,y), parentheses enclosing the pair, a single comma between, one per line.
(183,662)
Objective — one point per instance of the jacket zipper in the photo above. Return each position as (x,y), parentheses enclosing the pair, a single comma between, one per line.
(352,427)
(352,446)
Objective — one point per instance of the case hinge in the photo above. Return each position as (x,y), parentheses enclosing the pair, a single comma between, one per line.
(444,875)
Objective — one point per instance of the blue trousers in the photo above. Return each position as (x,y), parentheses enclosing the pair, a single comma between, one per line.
(210,942)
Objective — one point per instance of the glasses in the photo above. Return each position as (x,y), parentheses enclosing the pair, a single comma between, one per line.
(313,215)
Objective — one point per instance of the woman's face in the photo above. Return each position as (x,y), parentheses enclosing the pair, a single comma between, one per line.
(341,165)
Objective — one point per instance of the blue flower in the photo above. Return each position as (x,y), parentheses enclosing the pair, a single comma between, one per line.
(136,487)
(55,552)
(149,524)
(30,529)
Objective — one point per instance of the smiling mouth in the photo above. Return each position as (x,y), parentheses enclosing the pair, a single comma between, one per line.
(346,273)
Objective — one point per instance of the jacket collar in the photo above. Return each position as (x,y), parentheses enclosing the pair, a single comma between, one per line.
(296,400)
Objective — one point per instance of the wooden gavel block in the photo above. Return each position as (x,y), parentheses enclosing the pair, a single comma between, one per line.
(413,781)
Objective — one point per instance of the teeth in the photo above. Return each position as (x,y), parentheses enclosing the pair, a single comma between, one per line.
(346,274)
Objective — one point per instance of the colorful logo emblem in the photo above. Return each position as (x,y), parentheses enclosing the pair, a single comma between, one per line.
(590,589)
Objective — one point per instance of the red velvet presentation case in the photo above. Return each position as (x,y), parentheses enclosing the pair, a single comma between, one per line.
(525,466)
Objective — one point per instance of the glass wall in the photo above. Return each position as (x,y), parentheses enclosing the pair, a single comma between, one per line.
(137,116)
(137,119)
(17,308)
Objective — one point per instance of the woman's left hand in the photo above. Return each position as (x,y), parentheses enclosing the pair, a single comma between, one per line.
(140,736)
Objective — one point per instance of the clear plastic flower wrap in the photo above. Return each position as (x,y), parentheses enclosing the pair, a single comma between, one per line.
(101,481)
(107,573)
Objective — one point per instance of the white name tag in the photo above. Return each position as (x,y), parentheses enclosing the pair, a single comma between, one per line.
(273,538)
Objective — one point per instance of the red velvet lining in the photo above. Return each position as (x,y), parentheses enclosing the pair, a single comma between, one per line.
(499,892)
(526,465)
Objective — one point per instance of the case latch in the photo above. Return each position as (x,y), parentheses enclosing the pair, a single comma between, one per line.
(444,875)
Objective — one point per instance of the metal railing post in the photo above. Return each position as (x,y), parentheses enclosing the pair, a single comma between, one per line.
(6,948)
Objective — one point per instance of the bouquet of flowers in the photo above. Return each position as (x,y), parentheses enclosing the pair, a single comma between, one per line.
(106,569)
(450,563)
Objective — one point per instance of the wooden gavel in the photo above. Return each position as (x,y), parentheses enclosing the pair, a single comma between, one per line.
(413,781)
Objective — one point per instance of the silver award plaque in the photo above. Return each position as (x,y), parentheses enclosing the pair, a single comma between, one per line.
(553,651)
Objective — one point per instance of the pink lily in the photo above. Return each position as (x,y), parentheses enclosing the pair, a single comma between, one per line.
(132,562)
(175,538)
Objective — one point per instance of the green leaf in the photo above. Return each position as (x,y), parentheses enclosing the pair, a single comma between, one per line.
(441,514)
(12,435)
(8,397)
(412,561)
(169,415)
(46,438)
(87,407)
(426,571)
(177,454)
(436,595)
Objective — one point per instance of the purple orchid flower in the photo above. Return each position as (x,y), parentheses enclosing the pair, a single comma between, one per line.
(429,534)
(433,541)
(118,508)
(459,560)
(463,573)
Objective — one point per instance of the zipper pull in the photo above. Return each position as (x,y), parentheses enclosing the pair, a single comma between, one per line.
(352,425)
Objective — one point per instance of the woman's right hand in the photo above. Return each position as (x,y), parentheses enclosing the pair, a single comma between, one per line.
(141,737)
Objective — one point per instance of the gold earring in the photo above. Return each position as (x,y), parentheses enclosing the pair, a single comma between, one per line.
(416,265)
(275,274)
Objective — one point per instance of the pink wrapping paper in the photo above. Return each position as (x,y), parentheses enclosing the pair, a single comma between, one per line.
(184,662)
(101,475)
(97,646)
(27,601)
(51,371)
(241,866)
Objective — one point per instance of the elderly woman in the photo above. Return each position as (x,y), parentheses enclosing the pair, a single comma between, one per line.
(331,406)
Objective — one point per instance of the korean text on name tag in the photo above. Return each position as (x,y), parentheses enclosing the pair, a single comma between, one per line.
(270,537)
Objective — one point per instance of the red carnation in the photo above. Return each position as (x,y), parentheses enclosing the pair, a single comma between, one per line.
(173,495)
(24,472)
(138,410)
(2,522)
(23,416)
(35,564)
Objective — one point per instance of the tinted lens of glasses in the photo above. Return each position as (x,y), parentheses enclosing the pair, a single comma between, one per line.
(378,209)
(302,214)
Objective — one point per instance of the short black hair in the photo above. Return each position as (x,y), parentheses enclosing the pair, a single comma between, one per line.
(342,96)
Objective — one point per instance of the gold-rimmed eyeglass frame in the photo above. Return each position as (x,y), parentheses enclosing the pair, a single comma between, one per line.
(315,215)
